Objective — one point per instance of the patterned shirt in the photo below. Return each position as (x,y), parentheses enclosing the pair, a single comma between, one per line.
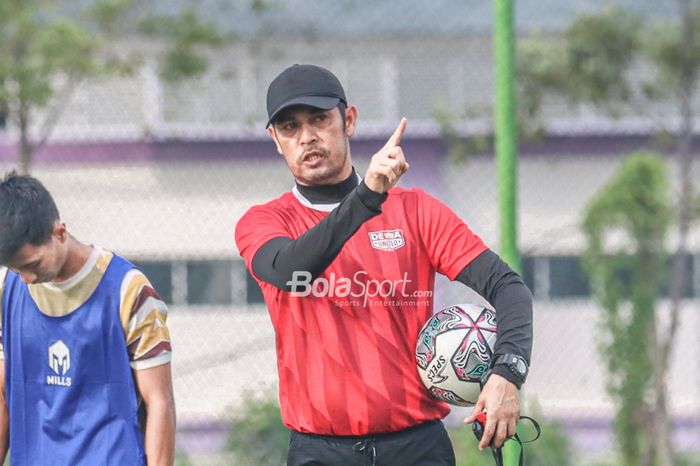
(142,313)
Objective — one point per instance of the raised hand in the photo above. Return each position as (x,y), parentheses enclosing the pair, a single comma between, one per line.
(389,164)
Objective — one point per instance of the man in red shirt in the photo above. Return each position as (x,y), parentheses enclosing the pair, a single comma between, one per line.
(347,267)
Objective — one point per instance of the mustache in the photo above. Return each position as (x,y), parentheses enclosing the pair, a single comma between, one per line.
(312,151)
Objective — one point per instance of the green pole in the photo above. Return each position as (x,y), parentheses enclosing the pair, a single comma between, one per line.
(506,130)
(506,133)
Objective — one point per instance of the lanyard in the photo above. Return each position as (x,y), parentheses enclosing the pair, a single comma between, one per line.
(478,429)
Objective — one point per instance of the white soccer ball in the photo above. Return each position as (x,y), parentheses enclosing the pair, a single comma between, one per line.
(454,350)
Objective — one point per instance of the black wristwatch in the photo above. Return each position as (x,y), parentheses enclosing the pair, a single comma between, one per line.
(517,365)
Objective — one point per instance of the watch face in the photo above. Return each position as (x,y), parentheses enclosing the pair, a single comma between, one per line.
(519,366)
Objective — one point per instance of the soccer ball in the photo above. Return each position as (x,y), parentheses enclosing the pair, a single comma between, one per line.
(453,351)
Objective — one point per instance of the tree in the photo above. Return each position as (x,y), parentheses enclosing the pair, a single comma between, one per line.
(258,436)
(626,279)
(597,64)
(676,52)
(49,47)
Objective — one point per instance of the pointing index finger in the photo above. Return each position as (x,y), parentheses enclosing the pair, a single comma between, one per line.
(395,139)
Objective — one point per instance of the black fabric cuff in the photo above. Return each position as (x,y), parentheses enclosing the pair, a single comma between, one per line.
(371,199)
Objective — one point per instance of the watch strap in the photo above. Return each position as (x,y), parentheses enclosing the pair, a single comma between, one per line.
(503,365)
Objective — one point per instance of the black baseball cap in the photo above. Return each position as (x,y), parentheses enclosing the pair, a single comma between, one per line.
(303,85)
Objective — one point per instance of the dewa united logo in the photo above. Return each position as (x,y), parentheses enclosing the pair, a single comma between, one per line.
(59,362)
(387,240)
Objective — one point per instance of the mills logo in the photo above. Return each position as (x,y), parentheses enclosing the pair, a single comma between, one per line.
(387,240)
(59,362)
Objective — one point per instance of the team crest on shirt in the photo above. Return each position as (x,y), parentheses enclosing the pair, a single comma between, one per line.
(59,362)
(387,240)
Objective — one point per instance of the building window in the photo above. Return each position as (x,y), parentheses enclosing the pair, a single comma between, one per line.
(229,282)
(528,273)
(209,282)
(567,278)
(253,292)
(687,290)
(161,277)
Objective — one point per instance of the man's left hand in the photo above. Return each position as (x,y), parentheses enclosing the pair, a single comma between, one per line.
(501,401)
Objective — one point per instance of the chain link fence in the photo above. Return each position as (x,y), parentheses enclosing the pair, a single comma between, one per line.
(161,172)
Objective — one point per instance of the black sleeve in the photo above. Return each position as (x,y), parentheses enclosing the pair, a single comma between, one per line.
(493,279)
(314,251)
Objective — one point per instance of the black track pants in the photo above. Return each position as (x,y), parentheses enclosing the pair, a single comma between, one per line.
(424,445)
